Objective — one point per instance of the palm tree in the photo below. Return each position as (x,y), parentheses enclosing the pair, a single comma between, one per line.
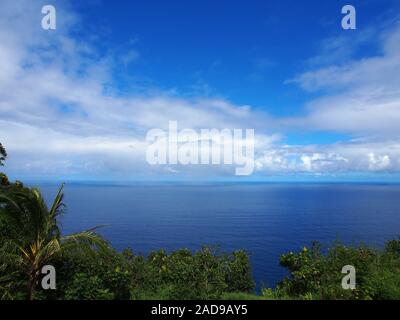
(33,228)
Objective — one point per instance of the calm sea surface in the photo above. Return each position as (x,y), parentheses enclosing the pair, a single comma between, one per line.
(265,219)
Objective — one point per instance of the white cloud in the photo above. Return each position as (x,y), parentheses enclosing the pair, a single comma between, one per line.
(367,93)
(59,117)
(357,156)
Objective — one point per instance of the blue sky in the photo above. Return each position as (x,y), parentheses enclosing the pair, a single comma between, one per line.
(242,51)
(324,102)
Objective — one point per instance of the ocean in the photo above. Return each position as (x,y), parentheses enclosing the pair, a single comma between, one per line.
(267,220)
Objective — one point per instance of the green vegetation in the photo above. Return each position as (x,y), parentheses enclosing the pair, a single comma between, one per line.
(31,231)
(314,275)
(89,268)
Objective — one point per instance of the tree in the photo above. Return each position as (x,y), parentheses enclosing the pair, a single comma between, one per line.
(34,229)
(3,154)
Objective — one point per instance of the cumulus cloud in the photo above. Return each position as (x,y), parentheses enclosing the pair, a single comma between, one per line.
(367,92)
(61,117)
(56,115)
(356,156)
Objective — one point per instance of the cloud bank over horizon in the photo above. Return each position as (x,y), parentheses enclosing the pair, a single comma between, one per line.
(62,114)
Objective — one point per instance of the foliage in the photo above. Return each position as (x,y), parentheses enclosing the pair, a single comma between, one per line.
(240,296)
(99,275)
(84,287)
(31,228)
(314,275)
(206,274)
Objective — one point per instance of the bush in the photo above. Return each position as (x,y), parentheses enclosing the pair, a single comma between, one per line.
(104,274)
(318,276)
(206,274)
(85,287)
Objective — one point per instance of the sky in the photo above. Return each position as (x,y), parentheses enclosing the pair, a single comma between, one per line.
(76,102)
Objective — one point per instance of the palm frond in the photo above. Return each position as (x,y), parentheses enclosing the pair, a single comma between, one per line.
(88,241)
(40,251)
(57,207)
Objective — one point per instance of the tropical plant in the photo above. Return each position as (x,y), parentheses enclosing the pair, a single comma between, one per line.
(317,274)
(33,228)
(8,272)
(183,274)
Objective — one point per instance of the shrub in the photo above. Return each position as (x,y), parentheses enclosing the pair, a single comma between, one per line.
(318,276)
(206,274)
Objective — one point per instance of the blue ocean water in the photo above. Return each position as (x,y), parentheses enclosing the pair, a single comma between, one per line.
(265,219)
